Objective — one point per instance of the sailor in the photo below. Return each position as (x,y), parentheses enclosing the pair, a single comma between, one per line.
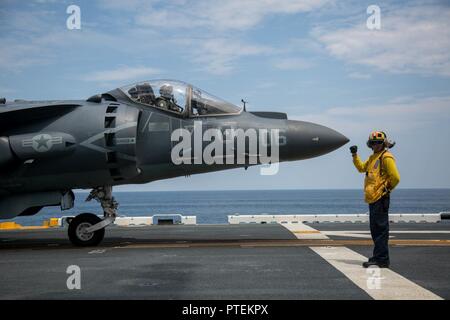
(381,178)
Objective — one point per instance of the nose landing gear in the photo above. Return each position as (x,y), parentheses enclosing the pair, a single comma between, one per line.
(87,229)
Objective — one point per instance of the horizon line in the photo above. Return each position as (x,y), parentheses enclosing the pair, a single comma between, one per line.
(288,189)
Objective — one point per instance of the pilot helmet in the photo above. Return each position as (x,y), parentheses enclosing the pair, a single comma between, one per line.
(166,91)
(144,88)
(133,92)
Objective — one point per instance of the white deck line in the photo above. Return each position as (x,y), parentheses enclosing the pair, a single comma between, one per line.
(380,284)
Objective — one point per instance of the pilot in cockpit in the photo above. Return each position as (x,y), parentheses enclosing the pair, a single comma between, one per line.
(142,93)
(167,99)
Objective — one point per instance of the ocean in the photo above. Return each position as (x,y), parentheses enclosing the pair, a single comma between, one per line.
(212,207)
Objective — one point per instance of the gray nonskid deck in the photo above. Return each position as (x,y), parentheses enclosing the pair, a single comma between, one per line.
(198,262)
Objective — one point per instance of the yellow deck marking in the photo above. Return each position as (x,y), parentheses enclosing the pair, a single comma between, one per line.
(11,225)
(303,231)
(307,231)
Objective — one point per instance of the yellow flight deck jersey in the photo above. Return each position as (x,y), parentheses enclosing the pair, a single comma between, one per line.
(379,180)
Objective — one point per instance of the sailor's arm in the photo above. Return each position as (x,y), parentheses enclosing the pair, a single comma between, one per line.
(391,172)
(360,166)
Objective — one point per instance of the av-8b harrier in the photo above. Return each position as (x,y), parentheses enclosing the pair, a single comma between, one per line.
(136,134)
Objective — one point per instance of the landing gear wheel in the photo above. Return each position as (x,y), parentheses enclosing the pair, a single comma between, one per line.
(77,227)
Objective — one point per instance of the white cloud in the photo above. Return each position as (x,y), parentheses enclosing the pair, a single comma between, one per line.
(208,27)
(411,40)
(218,55)
(48,46)
(221,15)
(399,115)
(121,73)
(129,5)
(219,52)
(34,37)
(238,14)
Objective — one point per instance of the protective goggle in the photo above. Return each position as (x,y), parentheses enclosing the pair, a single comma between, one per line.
(371,143)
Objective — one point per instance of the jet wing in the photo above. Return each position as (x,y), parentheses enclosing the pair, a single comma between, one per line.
(23,113)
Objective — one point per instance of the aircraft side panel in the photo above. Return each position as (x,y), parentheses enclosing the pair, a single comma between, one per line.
(153,145)
(18,114)
(101,138)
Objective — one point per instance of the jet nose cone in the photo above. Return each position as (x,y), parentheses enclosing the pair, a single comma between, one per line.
(307,140)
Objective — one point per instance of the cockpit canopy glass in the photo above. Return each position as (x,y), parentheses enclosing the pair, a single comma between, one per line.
(178,97)
(166,95)
(203,103)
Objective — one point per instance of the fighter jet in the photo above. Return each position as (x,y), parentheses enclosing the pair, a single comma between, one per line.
(136,134)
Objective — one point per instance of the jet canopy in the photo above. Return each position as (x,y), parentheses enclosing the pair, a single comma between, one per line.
(178,97)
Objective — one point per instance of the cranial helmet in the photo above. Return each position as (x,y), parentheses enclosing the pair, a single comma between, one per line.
(379,137)
(166,91)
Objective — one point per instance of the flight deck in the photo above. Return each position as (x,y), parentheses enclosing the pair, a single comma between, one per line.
(228,261)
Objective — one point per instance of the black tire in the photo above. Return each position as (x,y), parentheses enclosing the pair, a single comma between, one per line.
(82,221)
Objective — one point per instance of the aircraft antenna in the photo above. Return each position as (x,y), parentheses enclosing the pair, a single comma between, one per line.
(244,102)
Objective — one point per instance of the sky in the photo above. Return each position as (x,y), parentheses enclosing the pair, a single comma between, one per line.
(315,60)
